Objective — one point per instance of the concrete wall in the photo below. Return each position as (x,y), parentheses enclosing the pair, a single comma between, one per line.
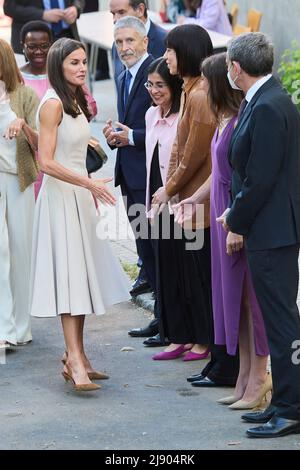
(280,20)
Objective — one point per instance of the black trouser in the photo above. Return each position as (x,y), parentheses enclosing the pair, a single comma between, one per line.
(275,275)
(144,246)
(222,368)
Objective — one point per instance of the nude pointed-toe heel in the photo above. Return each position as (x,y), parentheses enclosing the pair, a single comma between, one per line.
(79,387)
(249,405)
(93,375)
(227,400)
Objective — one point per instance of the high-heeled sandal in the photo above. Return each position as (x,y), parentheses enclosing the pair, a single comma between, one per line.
(78,387)
(93,375)
(249,405)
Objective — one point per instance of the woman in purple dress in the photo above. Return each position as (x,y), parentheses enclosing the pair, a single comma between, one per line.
(237,316)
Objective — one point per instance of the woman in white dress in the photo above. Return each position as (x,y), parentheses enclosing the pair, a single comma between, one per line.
(74,272)
(18,171)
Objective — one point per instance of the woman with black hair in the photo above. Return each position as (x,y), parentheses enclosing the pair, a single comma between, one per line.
(185,266)
(161,125)
(186,307)
(73,271)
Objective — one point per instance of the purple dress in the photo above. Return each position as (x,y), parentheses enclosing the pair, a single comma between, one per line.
(229,272)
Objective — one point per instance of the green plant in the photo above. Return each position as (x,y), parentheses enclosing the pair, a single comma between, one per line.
(289,72)
(131,269)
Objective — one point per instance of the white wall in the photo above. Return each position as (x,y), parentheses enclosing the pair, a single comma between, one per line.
(280,20)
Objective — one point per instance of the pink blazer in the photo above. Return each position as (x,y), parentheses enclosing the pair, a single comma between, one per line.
(163,131)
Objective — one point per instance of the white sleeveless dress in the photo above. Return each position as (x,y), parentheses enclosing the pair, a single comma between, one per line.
(73,270)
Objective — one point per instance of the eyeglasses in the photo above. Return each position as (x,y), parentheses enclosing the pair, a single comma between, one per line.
(34,47)
(158,85)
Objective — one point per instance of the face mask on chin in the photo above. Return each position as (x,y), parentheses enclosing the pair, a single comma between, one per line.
(231,81)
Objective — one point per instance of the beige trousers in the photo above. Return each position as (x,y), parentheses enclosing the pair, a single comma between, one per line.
(16,218)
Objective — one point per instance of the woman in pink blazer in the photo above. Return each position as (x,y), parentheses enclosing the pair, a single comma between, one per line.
(161,127)
(161,124)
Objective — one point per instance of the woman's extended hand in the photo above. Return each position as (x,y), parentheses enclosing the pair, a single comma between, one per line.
(184,210)
(222,219)
(160,196)
(14,129)
(234,243)
(100,191)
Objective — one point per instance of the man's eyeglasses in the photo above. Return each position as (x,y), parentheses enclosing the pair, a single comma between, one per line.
(158,85)
(34,47)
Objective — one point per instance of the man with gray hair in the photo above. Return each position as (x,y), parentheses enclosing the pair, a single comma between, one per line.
(265,156)
(130,171)
(139,9)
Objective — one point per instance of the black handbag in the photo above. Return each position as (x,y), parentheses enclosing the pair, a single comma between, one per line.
(95,156)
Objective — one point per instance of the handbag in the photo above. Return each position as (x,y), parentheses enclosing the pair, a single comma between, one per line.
(95,156)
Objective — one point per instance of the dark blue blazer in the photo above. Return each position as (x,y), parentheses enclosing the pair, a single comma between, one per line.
(131,160)
(23,11)
(156,47)
(265,156)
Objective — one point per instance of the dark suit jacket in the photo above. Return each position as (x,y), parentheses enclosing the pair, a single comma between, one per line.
(156,47)
(22,11)
(131,160)
(265,155)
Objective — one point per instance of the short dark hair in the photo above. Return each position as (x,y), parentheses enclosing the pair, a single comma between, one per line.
(221,95)
(191,44)
(135,3)
(72,103)
(36,25)
(173,81)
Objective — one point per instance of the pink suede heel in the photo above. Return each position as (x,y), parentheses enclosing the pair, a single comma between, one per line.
(167,355)
(192,356)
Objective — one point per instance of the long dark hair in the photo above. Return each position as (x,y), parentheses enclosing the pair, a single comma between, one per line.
(222,97)
(173,81)
(191,44)
(72,102)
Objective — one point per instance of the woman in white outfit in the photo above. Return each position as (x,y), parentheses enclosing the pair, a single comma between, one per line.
(18,170)
(74,272)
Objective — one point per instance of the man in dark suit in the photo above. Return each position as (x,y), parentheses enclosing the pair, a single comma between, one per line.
(62,14)
(130,170)
(156,47)
(265,156)
(156,34)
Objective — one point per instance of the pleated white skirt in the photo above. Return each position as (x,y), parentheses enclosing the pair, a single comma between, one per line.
(73,270)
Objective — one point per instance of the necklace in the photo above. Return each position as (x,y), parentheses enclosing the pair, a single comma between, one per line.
(163,115)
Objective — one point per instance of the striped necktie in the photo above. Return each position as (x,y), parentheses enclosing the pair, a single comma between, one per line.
(128,78)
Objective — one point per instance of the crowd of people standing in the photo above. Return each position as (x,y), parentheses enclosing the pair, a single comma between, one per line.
(209,145)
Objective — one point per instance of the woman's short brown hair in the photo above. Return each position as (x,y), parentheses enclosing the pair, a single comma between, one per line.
(221,95)
(9,71)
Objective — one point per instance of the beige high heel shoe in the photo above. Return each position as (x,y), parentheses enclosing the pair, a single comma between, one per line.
(249,405)
(93,375)
(227,400)
(78,387)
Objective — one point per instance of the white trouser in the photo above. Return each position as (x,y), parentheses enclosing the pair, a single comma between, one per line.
(16,218)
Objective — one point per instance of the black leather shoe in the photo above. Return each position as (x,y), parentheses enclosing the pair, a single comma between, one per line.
(140,287)
(276,427)
(154,341)
(206,382)
(260,416)
(196,377)
(143,332)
